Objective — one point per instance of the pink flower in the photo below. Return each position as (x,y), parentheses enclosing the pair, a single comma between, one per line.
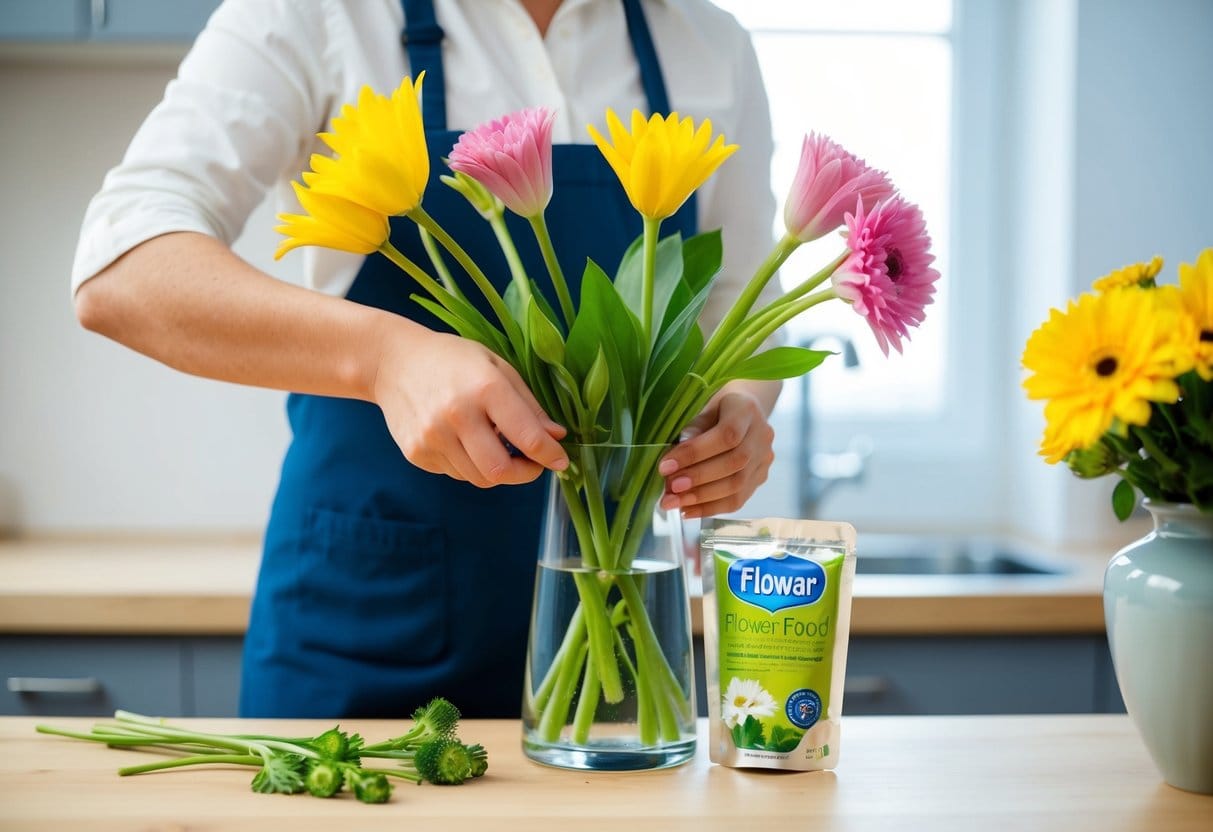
(829,182)
(512,157)
(888,277)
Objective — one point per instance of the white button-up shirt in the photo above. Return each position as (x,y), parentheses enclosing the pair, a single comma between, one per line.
(266,75)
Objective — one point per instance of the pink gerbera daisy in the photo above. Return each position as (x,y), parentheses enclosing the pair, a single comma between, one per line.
(512,157)
(888,277)
(829,182)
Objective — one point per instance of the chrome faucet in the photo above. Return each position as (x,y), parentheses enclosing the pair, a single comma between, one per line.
(818,472)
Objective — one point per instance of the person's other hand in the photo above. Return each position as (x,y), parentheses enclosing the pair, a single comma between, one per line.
(725,455)
(449,402)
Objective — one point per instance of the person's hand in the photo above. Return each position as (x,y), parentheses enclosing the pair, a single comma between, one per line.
(725,455)
(449,402)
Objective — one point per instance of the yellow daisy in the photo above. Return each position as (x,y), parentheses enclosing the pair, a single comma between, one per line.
(661,160)
(1098,366)
(1138,274)
(1196,300)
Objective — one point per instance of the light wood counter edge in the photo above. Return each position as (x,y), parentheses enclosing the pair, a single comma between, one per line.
(182,587)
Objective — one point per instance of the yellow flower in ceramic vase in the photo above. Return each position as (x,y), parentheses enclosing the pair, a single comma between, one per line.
(1196,299)
(661,160)
(1099,365)
(1138,274)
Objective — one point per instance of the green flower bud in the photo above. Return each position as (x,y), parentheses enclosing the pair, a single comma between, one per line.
(1092,462)
(597,380)
(484,202)
(368,787)
(544,337)
(323,779)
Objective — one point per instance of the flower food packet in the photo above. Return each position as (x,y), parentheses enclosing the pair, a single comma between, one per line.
(776,619)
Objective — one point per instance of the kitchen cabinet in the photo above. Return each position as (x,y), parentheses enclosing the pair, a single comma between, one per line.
(212,676)
(103,21)
(937,675)
(91,676)
(920,675)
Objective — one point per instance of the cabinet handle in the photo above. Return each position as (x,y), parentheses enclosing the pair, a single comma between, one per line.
(870,686)
(39,684)
(100,13)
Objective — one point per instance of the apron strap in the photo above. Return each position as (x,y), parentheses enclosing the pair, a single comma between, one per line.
(422,39)
(646,56)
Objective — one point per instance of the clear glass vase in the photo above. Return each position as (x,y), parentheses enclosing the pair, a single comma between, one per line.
(609,676)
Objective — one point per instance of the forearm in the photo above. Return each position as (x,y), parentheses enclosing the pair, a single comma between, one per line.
(186,300)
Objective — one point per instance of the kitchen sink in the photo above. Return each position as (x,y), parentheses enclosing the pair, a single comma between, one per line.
(909,555)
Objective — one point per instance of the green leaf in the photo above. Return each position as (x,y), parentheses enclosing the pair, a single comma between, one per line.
(777,363)
(784,739)
(749,734)
(485,334)
(280,774)
(605,322)
(701,259)
(673,337)
(656,400)
(667,275)
(1124,500)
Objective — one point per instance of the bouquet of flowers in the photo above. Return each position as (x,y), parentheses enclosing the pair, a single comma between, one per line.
(628,368)
(1126,372)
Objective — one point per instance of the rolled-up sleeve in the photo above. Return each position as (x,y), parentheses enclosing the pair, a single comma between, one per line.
(240,113)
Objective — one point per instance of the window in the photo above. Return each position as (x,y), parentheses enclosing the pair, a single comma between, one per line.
(905,86)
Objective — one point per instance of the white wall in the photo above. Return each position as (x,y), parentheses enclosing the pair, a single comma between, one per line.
(1104,130)
(93,436)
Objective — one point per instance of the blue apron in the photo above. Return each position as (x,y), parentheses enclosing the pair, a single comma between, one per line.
(383,585)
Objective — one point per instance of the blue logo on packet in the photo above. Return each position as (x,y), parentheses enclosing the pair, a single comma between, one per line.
(803,708)
(777,583)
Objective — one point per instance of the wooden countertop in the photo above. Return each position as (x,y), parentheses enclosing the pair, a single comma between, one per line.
(172,586)
(1070,773)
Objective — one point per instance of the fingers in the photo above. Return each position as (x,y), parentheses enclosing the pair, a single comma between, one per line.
(492,462)
(511,375)
(719,469)
(528,429)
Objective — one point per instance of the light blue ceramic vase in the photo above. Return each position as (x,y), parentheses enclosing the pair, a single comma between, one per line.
(1158,603)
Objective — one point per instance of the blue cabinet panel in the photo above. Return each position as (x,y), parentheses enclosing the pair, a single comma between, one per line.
(150,20)
(81,676)
(212,676)
(43,20)
(1012,675)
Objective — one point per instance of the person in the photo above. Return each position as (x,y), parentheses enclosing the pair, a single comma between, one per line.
(400,551)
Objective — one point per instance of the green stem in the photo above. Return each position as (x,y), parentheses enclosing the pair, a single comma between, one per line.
(161,730)
(745,301)
(587,704)
(517,270)
(540,226)
(574,639)
(411,776)
(652,227)
(762,329)
(424,220)
(197,760)
(1152,448)
(650,658)
(437,290)
(555,715)
(599,523)
(648,719)
(444,274)
(598,629)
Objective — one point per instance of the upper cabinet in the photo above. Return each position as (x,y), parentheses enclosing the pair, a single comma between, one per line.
(103,21)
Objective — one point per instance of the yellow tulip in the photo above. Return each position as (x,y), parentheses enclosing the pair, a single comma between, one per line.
(661,160)
(331,222)
(381,158)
